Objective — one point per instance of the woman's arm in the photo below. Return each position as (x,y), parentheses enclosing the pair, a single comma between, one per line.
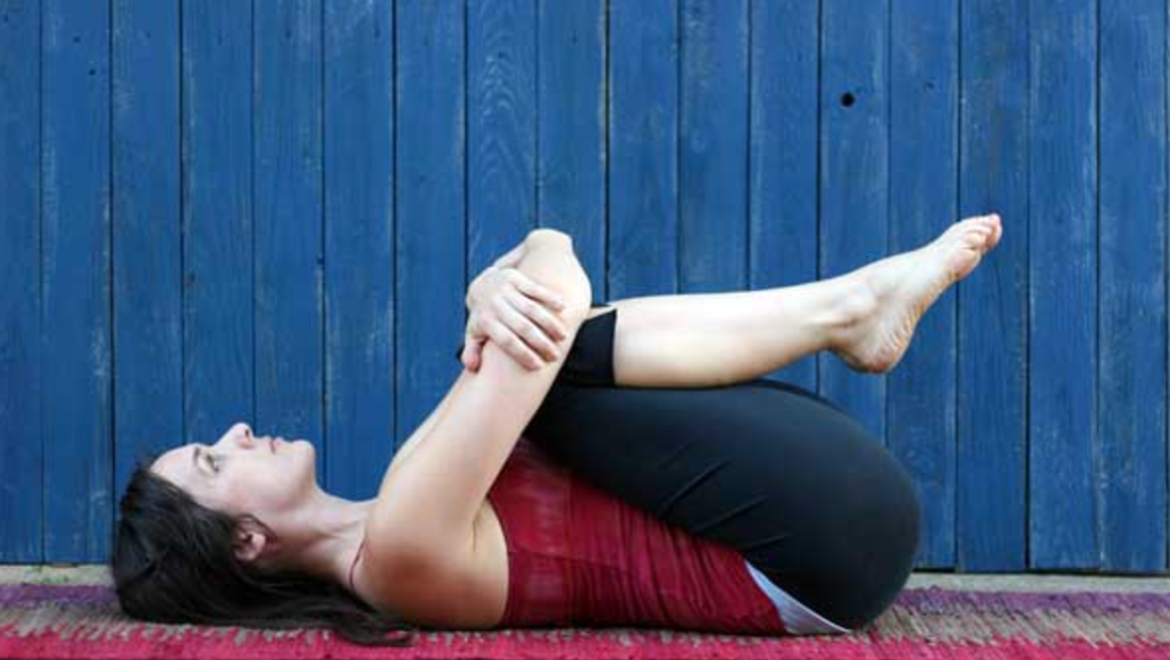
(425,510)
(513,258)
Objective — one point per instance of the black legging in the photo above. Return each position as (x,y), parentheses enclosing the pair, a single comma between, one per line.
(792,482)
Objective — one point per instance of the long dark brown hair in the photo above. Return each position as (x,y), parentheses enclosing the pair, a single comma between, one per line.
(173,562)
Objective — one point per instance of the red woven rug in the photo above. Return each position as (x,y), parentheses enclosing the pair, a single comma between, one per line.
(52,621)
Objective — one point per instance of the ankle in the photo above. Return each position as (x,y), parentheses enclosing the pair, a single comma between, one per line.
(851,302)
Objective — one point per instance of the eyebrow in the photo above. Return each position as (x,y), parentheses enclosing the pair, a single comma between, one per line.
(195,460)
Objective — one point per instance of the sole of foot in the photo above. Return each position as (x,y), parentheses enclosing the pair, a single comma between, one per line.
(888,297)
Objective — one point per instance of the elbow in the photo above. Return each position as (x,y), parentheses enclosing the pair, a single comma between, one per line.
(578,293)
(549,234)
(562,271)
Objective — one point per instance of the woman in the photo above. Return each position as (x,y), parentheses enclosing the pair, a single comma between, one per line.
(580,470)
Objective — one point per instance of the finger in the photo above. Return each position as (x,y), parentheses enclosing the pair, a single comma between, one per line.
(539,314)
(473,340)
(526,330)
(538,291)
(468,357)
(523,330)
(475,355)
(505,339)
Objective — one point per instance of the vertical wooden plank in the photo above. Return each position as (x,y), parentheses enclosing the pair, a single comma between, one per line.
(21,489)
(642,137)
(217,217)
(77,414)
(430,206)
(501,129)
(783,154)
(571,95)
(1062,197)
(993,176)
(288,206)
(853,175)
(148,401)
(1132,315)
(923,201)
(713,133)
(359,244)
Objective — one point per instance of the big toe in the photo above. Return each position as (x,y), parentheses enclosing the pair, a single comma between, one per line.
(996,233)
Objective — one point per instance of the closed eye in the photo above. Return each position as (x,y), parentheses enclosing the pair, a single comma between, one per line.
(211,460)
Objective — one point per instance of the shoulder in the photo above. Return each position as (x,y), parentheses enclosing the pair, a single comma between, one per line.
(440,589)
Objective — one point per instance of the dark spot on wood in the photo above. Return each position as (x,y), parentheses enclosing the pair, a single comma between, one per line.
(847,99)
(76,39)
(929,85)
(92,71)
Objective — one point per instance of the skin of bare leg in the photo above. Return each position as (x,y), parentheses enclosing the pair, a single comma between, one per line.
(866,317)
(713,339)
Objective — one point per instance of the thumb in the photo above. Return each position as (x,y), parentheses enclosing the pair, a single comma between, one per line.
(471,354)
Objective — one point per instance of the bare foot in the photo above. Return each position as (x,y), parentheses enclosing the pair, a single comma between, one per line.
(894,292)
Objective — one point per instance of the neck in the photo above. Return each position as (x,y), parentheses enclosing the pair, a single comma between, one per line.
(330,530)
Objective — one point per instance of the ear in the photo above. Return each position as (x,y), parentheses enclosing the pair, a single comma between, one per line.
(249,543)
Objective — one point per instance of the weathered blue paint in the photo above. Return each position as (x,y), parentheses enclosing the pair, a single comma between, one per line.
(216,211)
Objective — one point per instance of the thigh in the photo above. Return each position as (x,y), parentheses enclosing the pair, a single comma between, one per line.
(770,469)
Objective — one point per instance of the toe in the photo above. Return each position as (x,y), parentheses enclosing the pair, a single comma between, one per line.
(981,235)
(994,229)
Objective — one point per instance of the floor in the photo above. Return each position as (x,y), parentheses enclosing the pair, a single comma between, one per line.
(98,573)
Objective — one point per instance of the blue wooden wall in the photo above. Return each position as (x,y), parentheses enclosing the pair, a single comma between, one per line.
(269,211)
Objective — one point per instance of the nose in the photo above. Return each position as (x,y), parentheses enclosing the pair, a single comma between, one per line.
(244,435)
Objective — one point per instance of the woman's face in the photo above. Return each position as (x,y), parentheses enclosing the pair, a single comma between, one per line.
(242,473)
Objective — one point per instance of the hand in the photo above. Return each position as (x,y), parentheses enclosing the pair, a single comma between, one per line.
(514,311)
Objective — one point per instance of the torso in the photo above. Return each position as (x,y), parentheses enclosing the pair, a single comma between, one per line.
(474,595)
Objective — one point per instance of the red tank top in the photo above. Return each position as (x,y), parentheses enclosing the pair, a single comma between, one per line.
(578,555)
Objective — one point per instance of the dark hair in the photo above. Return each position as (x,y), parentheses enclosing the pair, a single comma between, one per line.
(173,562)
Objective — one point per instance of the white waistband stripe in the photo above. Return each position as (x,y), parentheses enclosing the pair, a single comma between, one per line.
(798,619)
